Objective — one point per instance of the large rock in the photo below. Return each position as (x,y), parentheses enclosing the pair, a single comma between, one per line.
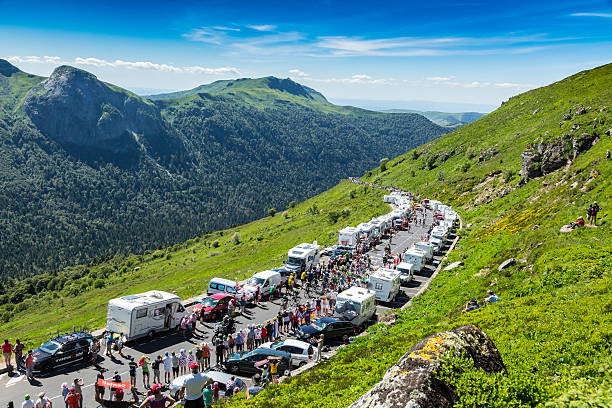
(412,381)
(506,264)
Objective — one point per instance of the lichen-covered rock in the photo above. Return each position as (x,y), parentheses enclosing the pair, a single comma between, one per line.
(412,381)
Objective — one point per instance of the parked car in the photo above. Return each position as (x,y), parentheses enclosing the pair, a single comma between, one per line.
(301,352)
(64,350)
(334,330)
(329,250)
(217,376)
(244,361)
(213,307)
(284,273)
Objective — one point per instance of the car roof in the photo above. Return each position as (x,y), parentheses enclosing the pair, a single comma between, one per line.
(220,296)
(270,351)
(68,337)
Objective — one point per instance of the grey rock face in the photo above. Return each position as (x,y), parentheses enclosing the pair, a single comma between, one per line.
(82,113)
(412,381)
(506,264)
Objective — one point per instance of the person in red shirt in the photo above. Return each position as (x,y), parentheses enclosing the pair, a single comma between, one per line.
(29,365)
(72,399)
(7,352)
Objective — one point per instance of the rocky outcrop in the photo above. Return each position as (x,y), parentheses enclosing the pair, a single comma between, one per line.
(412,381)
(545,157)
(88,116)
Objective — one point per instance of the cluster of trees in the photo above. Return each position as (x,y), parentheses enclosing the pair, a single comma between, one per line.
(241,161)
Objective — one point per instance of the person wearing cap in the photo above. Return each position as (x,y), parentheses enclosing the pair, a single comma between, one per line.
(43,401)
(73,398)
(193,387)
(157,399)
(27,403)
(118,402)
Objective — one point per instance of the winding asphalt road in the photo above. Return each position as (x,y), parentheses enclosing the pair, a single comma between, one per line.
(14,387)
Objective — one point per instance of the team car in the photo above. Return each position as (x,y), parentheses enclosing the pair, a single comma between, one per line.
(62,350)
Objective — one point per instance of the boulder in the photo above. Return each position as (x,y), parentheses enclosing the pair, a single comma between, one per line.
(454,265)
(506,264)
(412,381)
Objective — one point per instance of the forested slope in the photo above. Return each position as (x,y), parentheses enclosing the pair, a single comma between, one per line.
(91,170)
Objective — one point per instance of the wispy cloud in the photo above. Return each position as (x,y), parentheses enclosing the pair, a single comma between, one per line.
(440,78)
(355,79)
(602,15)
(223,28)
(298,73)
(148,65)
(263,27)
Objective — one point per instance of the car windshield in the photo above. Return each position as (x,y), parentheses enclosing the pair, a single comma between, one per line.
(404,271)
(256,281)
(50,347)
(294,261)
(210,302)
(320,324)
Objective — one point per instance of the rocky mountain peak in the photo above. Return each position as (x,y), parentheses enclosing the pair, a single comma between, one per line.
(7,69)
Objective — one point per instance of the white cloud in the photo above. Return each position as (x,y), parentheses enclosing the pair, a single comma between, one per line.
(297,72)
(440,78)
(602,15)
(356,79)
(206,35)
(97,62)
(222,28)
(263,27)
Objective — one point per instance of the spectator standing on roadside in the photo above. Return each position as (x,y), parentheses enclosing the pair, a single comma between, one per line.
(77,383)
(320,341)
(206,351)
(43,401)
(156,365)
(132,367)
(27,403)
(73,399)
(18,350)
(193,388)
(7,352)
(157,400)
(175,365)
(167,367)
(118,402)
(65,392)
(29,366)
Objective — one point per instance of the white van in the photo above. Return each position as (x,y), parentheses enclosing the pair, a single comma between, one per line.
(416,257)
(386,283)
(348,237)
(220,285)
(264,281)
(144,314)
(302,257)
(356,305)
(406,271)
(437,244)
(426,247)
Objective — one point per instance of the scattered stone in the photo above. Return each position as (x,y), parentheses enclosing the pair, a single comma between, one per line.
(566,228)
(454,265)
(412,381)
(535,112)
(608,132)
(574,184)
(580,111)
(388,319)
(506,264)
(567,117)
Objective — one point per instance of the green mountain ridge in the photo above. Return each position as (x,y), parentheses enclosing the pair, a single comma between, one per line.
(553,326)
(446,119)
(105,171)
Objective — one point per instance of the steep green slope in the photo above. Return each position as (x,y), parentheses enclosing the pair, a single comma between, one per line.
(106,172)
(80,294)
(553,326)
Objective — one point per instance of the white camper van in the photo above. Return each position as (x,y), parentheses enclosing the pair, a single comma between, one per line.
(348,237)
(386,283)
(406,271)
(356,305)
(440,232)
(366,230)
(426,247)
(144,314)
(437,244)
(416,257)
(303,256)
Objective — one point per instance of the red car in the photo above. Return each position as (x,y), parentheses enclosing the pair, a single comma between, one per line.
(213,307)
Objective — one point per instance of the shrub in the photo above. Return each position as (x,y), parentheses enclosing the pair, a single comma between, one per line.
(215,244)
(272,212)
(383,164)
(292,204)
(236,238)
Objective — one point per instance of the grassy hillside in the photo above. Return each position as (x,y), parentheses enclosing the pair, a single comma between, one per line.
(80,294)
(553,326)
(105,172)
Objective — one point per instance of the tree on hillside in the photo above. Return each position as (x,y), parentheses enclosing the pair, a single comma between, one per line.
(272,212)
(383,164)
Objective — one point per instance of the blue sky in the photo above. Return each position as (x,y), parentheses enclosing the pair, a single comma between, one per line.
(469,53)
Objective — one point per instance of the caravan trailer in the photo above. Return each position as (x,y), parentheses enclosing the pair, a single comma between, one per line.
(348,237)
(303,256)
(356,305)
(144,314)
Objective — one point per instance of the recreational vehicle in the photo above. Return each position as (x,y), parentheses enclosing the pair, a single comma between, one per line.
(303,256)
(386,283)
(356,305)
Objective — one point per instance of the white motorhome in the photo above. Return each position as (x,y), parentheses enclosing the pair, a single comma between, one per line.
(303,256)
(416,257)
(144,314)
(406,271)
(348,237)
(439,232)
(356,305)
(386,283)
(365,230)
(427,247)
(437,244)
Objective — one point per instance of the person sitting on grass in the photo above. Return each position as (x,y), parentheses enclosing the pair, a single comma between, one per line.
(578,223)
(471,305)
(492,298)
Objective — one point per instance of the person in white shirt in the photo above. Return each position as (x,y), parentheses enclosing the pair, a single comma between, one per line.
(27,403)
(193,387)
(43,401)
(167,367)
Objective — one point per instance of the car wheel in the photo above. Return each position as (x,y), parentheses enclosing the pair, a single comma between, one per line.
(302,364)
(234,369)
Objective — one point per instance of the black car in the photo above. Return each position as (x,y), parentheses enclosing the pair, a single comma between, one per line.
(244,361)
(333,329)
(62,350)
